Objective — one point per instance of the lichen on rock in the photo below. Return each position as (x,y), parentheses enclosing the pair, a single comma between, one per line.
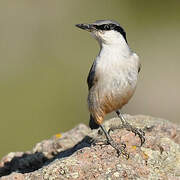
(73,155)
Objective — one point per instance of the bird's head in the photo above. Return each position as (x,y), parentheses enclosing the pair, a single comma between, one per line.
(106,31)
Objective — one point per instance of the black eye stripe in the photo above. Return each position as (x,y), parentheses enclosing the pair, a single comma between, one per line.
(108,27)
(105,27)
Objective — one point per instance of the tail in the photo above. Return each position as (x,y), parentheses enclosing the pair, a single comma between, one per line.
(92,123)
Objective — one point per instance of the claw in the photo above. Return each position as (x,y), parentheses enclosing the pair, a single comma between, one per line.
(109,131)
(123,145)
(123,152)
(118,153)
(119,150)
(140,133)
(127,156)
(142,140)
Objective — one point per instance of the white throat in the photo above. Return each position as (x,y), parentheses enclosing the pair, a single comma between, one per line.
(112,43)
(119,50)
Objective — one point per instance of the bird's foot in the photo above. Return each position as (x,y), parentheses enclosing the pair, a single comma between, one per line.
(129,127)
(120,149)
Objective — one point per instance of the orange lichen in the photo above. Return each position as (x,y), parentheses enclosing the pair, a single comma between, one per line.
(59,135)
(145,156)
(134,147)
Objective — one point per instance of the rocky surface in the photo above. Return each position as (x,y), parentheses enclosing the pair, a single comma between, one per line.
(72,155)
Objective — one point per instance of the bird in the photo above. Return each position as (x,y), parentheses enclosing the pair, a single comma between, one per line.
(112,78)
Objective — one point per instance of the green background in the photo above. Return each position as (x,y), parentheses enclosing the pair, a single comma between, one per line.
(45,59)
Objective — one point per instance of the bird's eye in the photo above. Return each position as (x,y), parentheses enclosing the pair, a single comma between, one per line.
(107,27)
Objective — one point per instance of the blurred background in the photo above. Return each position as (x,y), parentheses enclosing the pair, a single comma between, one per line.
(45,59)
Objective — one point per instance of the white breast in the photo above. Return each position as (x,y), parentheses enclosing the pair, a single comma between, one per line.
(117,74)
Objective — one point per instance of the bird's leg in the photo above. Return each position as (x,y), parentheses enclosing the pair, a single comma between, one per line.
(120,149)
(129,127)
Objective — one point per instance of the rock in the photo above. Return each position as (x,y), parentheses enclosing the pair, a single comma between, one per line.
(14,176)
(72,155)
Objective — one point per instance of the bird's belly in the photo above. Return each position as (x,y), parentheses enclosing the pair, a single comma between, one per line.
(115,92)
(114,100)
(111,92)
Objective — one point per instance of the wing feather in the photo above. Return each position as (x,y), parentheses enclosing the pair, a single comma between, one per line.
(92,75)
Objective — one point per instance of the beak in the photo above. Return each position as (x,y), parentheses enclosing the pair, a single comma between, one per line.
(87,27)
